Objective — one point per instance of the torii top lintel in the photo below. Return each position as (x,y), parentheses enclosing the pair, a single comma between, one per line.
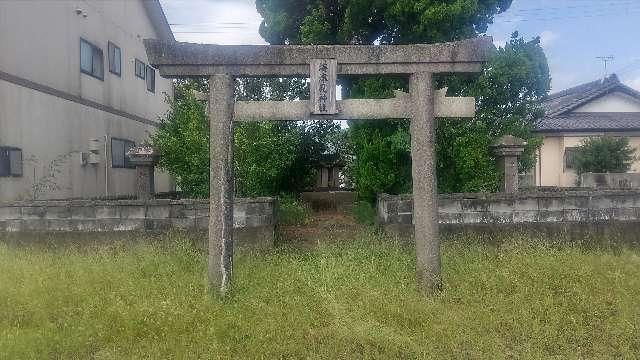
(177,59)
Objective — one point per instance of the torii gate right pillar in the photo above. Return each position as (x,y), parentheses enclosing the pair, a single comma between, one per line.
(423,164)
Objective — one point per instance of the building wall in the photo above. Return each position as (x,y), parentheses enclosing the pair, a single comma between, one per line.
(614,102)
(40,43)
(550,170)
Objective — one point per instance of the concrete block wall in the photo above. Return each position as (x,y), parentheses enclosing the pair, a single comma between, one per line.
(254,219)
(619,181)
(535,209)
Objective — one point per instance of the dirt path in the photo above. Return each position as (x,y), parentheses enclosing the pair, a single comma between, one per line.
(321,228)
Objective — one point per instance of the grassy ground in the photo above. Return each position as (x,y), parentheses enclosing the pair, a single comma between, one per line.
(338,300)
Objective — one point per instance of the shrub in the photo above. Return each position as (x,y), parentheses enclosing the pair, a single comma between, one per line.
(604,155)
(292,211)
(183,142)
(364,213)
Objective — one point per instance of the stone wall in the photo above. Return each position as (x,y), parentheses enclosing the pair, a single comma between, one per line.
(610,181)
(254,219)
(341,201)
(569,211)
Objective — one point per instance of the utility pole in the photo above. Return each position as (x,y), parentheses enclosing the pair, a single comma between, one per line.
(605,60)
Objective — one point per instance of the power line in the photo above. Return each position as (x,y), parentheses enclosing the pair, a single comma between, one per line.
(595,6)
(630,66)
(621,12)
(629,70)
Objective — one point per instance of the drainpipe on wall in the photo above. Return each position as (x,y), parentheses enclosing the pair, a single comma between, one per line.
(106,166)
(539,170)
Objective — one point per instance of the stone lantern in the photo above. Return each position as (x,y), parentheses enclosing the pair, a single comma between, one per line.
(508,148)
(144,158)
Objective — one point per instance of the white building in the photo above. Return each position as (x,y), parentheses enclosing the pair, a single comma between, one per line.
(602,107)
(75,93)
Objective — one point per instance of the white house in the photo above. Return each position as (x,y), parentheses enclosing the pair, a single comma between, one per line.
(76,92)
(601,107)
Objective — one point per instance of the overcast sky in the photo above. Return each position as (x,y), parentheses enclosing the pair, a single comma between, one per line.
(573,32)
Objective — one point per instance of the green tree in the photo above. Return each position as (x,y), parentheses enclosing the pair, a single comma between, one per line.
(313,138)
(369,21)
(605,154)
(507,95)
(507,90)
(183,140)
(270,157)
(263,153)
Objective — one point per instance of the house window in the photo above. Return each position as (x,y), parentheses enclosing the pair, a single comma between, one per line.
(140,69)
(91,60)
(119,148)
(151,79)
(570,158)
(115,59)
(10,161)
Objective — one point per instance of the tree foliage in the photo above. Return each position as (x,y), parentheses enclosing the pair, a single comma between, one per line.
(263,152)
(183,140)
(507,91)
(507,95)
(368,21)
(269,157)
(605,154)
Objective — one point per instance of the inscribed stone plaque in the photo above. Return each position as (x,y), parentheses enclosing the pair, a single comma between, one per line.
(323,86)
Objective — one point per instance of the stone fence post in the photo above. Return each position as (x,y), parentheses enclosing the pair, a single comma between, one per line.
(508,148)
(145,158)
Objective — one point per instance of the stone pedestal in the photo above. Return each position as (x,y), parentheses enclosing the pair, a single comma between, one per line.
(508,148)
(145,158)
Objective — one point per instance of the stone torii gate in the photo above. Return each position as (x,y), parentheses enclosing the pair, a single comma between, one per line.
(222,64)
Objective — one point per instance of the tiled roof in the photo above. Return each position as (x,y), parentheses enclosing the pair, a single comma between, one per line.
(604,121)
(559,107)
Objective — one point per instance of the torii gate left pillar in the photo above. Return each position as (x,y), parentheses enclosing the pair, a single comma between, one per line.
(224,63)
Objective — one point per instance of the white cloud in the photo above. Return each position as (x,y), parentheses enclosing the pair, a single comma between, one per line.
(547,38)
(499,42)
(561,79)
(635,83)
(225,22)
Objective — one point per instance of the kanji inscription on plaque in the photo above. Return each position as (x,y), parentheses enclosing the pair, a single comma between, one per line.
(323,86)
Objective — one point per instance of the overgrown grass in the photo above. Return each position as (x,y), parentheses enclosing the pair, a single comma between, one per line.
(354,300)
(364,213)
(292,211)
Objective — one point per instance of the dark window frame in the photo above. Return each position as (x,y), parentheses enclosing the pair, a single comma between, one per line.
(94,48)
(150,71)
(113,46)
(8,169)
(569,158)
(126,164)
(135,68)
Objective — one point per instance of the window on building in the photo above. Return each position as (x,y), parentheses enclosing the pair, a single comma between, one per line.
(10,161)
(151,79)
(570,158)
(119,148)
(91,60)
(115,59)
(140,69)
